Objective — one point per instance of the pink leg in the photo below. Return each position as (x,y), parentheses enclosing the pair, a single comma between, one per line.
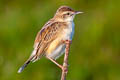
(55,62)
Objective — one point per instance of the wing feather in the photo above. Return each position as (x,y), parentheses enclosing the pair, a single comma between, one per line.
(46,35)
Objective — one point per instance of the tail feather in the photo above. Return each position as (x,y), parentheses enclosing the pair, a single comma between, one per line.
(25,64)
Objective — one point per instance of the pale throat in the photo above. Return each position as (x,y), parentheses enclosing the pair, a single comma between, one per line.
(69,19)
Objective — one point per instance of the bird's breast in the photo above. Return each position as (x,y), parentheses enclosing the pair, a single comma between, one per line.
(68,32)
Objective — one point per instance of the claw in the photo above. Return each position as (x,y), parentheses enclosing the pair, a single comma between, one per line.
(67,41)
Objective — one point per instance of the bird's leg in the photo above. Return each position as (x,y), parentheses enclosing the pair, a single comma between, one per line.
(54,62)
(67,42)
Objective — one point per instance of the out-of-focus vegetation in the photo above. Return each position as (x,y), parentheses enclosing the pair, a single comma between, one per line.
(95,51)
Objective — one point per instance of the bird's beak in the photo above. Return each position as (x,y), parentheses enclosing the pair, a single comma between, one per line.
(78,12)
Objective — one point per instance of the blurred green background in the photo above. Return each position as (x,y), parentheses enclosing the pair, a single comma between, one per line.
(95,51)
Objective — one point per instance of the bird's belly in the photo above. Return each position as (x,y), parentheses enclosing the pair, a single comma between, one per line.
(56,53)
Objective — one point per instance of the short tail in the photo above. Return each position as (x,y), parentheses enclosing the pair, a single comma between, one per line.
(25,64)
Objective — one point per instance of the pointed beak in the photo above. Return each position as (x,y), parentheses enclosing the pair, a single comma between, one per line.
(78,12)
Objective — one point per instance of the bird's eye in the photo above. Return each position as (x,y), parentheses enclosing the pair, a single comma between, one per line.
(68,13)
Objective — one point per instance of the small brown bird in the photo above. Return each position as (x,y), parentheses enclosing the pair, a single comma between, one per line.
(50,39)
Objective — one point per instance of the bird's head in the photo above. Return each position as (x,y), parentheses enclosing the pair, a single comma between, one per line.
(65,13)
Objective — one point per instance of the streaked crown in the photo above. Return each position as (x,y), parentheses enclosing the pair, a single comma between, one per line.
(65,8)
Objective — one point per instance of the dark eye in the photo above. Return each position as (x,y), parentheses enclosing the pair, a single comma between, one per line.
(68,13)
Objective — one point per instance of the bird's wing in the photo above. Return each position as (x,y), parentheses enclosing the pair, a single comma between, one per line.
(38,37)
(46,36)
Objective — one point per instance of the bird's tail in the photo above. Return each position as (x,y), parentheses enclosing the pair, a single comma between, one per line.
(26,64)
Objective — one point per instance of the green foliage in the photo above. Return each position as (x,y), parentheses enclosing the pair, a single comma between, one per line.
(95,51)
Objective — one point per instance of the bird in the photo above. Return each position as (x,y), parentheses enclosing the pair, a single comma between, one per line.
(49,41)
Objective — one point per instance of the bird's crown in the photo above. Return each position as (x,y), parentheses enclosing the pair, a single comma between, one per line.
(65,8)
(65,13)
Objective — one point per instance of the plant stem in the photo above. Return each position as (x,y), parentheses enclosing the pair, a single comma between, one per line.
(65,63)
